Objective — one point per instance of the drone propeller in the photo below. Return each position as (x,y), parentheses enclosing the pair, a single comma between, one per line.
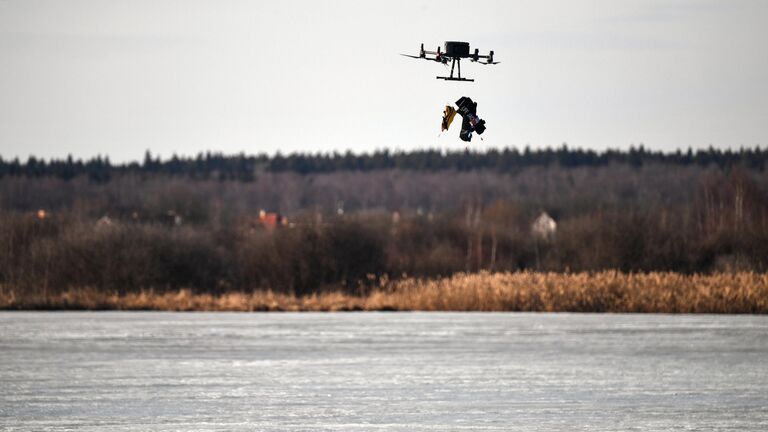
(488,63)
(439,59)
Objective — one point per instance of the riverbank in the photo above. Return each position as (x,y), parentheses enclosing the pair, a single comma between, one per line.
(744,292)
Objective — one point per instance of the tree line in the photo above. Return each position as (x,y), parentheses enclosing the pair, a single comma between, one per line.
(246,167)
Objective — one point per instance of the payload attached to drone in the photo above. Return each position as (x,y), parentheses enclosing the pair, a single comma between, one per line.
(467,109)
(454,52)
(470,123)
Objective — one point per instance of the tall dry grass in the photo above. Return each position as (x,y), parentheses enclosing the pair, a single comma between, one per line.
(744,292)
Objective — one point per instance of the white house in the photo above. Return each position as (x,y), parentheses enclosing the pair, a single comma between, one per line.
(544,227)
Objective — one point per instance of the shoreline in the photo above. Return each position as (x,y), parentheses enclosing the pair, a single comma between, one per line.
(600,292)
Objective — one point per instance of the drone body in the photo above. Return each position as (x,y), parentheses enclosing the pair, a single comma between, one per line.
(454,52)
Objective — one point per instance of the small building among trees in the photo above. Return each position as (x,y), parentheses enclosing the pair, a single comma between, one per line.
(544,227)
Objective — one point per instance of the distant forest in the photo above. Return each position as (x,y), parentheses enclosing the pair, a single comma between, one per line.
(507,160)
(304,224)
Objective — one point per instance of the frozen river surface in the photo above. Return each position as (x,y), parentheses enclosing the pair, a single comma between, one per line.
(104,371)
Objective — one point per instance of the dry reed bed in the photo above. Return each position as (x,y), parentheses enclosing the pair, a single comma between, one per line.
(524,291)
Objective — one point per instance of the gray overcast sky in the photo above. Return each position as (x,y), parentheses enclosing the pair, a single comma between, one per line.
(119,77)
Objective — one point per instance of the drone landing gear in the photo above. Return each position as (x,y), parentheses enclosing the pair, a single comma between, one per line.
(456,62)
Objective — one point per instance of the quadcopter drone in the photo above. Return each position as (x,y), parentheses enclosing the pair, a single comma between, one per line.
(454,51)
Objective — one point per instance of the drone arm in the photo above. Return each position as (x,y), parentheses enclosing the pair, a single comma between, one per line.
(426,57)
(477,56)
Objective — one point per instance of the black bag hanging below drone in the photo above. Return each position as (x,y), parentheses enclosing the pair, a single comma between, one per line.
(467,109)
